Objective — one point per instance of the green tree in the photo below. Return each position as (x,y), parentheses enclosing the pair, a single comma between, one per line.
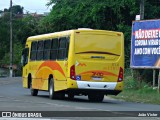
(4,35)
(96,14)
(17,9)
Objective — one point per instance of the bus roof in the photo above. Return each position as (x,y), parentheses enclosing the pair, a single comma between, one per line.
(65,33)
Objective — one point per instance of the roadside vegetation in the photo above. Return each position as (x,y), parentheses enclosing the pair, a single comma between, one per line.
(138,91)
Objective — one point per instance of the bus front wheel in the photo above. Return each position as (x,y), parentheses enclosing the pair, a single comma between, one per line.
(96,97)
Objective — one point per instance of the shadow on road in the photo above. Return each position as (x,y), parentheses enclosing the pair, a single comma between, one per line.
(82,99)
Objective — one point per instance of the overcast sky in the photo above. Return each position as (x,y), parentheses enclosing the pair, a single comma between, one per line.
(32,6)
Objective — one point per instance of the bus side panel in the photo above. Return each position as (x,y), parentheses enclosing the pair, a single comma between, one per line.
(33,66)
(42,72)
(41,75)
(61,76)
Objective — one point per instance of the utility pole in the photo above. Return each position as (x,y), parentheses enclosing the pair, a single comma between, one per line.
(11,44)
(141,9)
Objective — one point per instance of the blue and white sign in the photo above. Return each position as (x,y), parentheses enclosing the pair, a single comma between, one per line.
(78,77)
(145,44)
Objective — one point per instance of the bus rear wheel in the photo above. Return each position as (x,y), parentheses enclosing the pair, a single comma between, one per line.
(96,97)
(34,92)
(71,96)
(52,94)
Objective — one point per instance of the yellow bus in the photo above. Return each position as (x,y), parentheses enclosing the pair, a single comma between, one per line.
(74,62)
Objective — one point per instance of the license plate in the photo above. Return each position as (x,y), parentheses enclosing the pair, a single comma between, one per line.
(96,78)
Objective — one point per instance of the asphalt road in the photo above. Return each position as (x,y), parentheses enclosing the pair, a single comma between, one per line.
(13,97)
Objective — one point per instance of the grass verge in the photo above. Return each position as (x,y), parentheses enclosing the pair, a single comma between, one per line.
(141,92)
(144,95)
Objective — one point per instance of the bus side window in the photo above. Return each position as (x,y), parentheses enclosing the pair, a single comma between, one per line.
(47,47)
(33,50)
(40,50)
(24,59)
(63,48)
(54,49)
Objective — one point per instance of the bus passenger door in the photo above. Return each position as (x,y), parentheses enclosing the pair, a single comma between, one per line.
(24,62)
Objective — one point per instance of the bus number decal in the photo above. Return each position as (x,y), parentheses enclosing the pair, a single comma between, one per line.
(97,74)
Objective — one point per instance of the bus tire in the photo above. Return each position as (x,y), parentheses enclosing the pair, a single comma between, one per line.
(34,92)
(51,89)
(70,96)
(96,97)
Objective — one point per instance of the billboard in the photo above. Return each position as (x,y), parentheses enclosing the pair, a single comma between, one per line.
(145,44)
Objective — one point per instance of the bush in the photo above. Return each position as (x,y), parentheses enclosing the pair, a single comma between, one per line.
(135,83)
